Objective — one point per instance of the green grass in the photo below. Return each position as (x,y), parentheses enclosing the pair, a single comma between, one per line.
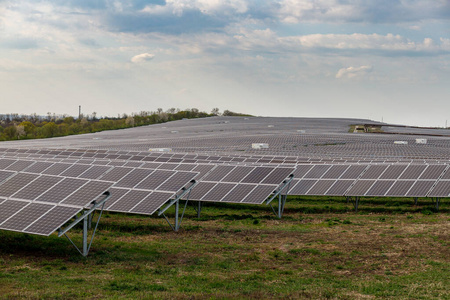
(320,249)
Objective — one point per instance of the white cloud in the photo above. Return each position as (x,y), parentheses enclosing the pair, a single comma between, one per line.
(142,58)
(352,72)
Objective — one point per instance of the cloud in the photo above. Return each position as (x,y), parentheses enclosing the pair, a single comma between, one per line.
(352,72)
(142,58)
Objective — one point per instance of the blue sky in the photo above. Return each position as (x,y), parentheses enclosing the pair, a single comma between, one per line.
(379,59)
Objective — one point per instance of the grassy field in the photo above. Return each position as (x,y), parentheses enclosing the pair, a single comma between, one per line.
(320,249)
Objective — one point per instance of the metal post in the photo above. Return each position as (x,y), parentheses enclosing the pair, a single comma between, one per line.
(348,199)
(356,203)
(90,217)
(85,232)
(415,200)
(437,204)
(177,225)
(279,206)
(199,209)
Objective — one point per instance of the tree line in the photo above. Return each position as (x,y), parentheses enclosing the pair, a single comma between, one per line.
(17,127)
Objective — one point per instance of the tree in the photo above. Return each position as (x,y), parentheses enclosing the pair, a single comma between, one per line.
(215,111)
(129,121)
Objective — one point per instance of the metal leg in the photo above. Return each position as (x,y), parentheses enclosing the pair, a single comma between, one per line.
(348,199)
(85,232)
(356,203)
(199,209)
(437,204)
(415,200)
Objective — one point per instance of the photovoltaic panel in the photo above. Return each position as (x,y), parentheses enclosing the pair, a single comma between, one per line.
(433,172)
(446,174)
(75,170)
(154,181)
(9,208)
(203,170)
(218,173)
(301,170)
(321,187)
(259,194)
(87,193)
(218,192)
(335,172)
(4,163)
(151,203)
(116,174)
(317,171)
(26,216)
(37,187)
(442,189)
(278,175)
(116,194)
(237,174)
(13,184)
(133,178)
(129,200)
(19,165)
(52,220)
(353,172)
(302,187)
(201,189)
(339,187)
(257,175)
(62,190)
(413,172)
(400,188)
(56,169)
(420,188)
(360,188)
(379,188)
(176,182)
(94,172)
(39,167)
(5,175)
(239,193)
(393,172)
(185,167)
(373,172)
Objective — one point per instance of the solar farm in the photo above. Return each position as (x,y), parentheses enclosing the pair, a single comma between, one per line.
(271,207)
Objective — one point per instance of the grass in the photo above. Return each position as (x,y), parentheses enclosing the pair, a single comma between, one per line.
(320,249)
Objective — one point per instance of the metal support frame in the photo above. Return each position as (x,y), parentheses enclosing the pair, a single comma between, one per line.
(86,217)
(355,201)
(436,201)
(415,200)
(198,208)
(281,197)
(184,191)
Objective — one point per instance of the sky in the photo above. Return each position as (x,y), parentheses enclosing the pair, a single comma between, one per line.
(378,59)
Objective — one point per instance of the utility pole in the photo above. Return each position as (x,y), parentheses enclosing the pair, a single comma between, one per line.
(79,112)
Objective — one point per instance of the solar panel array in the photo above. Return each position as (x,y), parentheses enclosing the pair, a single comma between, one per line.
(50,185)
(371,180)
(45,181)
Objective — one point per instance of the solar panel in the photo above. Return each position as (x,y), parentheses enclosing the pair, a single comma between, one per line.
(9,208)
(19,165)
(335,172)
(14,184)
(442,189)
(151,203)
(129,201)
(154,181)
(353,172)
(360,188)
(259,194)
(257,175)
(413,172)
(339,187)
(374,172)
(39,167)
(75,170)
(56,169)
(5,175)
(218,192)
(62,190)
(176,182)
(4,163)
(317,171)
(94,172)
(116,174)
(237,174)
(393,172)
(26,216)
(400,188)
(239,193)
(379,188)
(321,187)
(52,220)
(302,187)
(433,172)
(133,178)
(218,173)
(420,188)
(87,193)
(37,187)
